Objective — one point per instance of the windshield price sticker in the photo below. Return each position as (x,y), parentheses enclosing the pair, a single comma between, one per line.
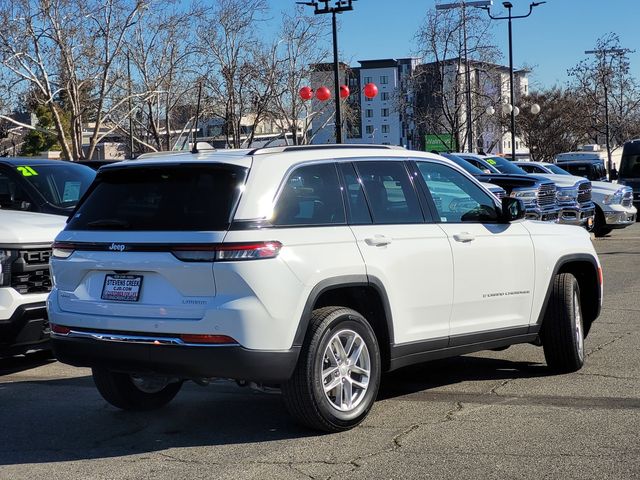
(491,161)
(122,288)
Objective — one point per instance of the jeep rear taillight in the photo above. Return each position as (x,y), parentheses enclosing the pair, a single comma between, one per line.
(62,249)
(227,252)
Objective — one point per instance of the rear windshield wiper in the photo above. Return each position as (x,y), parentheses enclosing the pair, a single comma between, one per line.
(109,223)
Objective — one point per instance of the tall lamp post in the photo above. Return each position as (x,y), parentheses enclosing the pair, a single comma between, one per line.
(510,17)
(604,52)
(462,5)
(322,7)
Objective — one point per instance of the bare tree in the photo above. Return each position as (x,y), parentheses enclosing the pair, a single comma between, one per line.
(163,51)
(439,84)
(237,86)
(553,130)
(301,45)
(588,81)
(71,54)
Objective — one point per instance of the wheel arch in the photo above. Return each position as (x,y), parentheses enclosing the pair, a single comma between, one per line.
(585,269)
(364,294)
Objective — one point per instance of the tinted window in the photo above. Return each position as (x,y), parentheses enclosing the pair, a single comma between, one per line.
(504,165)
(390,192)
(461,162)
(578,170)
(532,169)
(482,165)
(12,196)
(311,196)
(61,184)
(184,197)
(457,198)
(557,170)
(356,202)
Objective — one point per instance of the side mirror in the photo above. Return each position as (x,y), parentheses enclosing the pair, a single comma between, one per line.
(512,209)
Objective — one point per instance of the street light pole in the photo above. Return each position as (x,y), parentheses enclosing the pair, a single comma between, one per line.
(510,17)
(462,5)
(604,52)
(339,7)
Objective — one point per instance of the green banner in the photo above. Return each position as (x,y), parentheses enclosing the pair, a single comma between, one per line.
(439,143)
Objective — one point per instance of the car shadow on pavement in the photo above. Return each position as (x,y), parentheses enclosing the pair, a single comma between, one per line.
(30,360)
(450,371)
(65,419)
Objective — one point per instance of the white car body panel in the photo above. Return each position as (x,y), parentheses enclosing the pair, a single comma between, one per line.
(23,229)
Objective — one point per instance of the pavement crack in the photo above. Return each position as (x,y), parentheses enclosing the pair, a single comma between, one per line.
(604,375)
(494,389)
(597,348)
(451,414)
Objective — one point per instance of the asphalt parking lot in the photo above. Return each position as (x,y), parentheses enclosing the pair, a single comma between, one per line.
(486,415)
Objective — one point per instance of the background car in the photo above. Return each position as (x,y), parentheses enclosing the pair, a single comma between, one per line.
(630,169)
(573,196)
(613,203)
(45,186)
(538,194)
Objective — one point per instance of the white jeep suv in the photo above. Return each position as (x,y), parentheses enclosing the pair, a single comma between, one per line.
(311,268)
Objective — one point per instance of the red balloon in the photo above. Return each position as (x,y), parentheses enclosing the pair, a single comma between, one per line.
(370,90)
(323,94)
(306,93)
(344,91)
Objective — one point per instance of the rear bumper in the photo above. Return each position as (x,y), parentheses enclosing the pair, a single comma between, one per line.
(26,329)
(184,361)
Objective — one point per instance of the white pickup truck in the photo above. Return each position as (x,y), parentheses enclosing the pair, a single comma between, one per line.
(25,281)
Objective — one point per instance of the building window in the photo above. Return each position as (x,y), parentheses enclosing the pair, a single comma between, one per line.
(384,96)
(385,129)
(385,112)
(368,80)
(369,129)
(384,79)
(369,113)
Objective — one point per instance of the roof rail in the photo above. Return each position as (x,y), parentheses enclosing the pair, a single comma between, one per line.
(298,148)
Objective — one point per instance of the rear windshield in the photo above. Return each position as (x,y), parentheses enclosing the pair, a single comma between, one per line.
(162,198)
(630,167)
(61,184)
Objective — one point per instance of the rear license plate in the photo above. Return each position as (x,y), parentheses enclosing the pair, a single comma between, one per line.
(122,288)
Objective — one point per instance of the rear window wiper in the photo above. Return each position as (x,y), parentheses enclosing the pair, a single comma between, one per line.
(109,223)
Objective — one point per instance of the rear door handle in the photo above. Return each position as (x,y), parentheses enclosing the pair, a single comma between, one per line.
(464,237)
(378,240)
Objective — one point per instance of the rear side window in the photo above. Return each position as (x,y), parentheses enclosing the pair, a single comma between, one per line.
(311,196)
(162,198)
(390,192)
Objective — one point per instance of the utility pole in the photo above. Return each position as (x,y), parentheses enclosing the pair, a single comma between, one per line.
(339,7)
(130,108)
(510,17)
(603,52)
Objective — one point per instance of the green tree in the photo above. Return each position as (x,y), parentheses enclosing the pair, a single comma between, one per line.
(37,141)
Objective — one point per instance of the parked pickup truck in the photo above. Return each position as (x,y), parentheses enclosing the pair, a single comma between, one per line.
(312,269)
(613,203)
(25,281)
(538,194)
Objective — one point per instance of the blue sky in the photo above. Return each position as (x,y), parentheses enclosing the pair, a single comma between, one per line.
(552,40)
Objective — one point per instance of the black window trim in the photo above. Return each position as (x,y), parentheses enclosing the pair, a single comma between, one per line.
(431,202)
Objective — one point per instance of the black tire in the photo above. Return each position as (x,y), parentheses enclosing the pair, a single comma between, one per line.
(562,331)
(304,393)
(600,228)
(120,391)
